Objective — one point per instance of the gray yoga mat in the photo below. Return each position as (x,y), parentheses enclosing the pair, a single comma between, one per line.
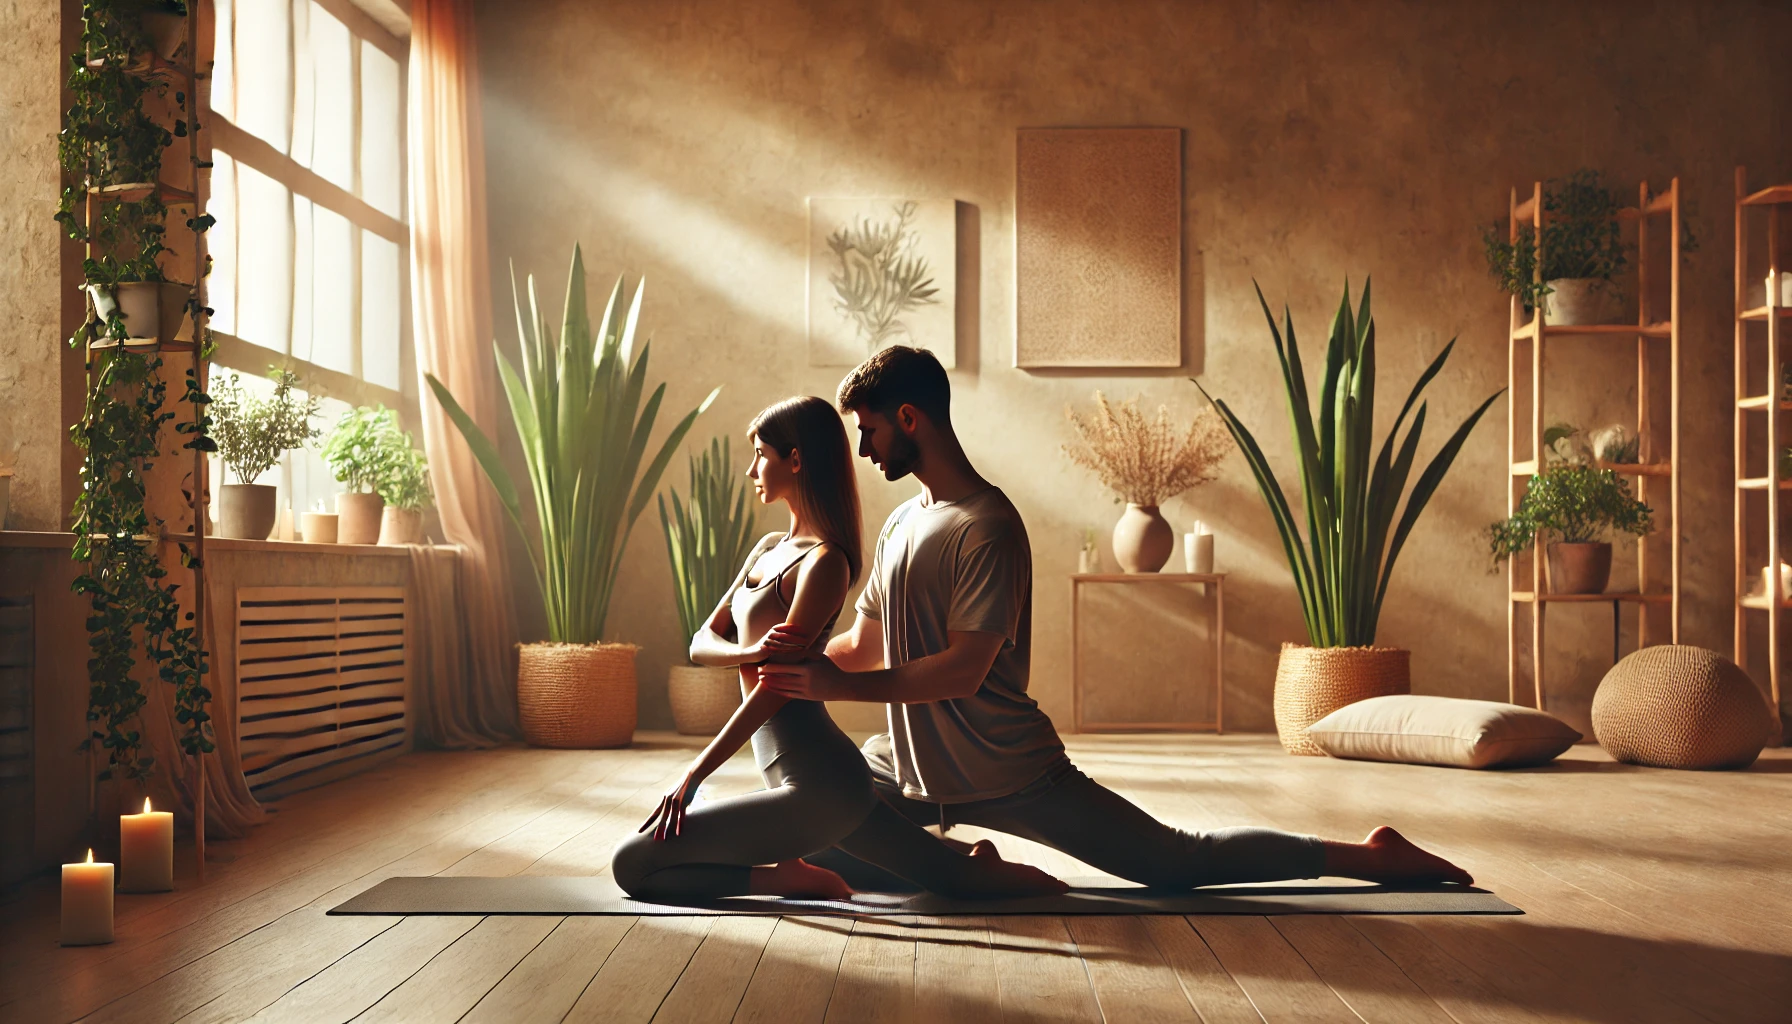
(561,895)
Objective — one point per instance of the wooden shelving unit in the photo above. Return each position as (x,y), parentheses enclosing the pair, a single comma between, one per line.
(1528,597)
(1759,390)
(185,205)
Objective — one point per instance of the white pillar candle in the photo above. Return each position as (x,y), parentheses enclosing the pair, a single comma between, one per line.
(146,850)
(86,903)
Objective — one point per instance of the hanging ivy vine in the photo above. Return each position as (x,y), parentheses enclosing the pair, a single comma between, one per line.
(109,139)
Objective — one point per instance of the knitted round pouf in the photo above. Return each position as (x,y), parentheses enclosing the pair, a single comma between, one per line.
(1672,706)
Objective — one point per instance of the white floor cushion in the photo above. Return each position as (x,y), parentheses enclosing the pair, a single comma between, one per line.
(1450,731)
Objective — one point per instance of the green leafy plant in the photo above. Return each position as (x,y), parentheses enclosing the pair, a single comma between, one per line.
(253,430)
(708,539)
(1342,567)
(1576,504)
(110,139)
(577,406)
(405,483)
(878,277)
(359,449)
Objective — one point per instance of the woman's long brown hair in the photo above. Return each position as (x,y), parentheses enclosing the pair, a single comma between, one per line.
(827,492)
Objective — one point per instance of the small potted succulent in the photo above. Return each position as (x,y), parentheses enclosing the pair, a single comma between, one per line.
(252,431)
(706,540)
(1576,505)
(359,452)
(405,488)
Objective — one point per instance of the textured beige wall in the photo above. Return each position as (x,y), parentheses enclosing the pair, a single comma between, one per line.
(31,353)
(678,139)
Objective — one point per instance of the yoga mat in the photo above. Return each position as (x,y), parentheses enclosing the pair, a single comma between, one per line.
(560,895)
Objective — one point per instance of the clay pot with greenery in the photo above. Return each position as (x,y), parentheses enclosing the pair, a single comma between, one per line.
(1575,506)
(406,490)
(1352,493)
(584,431)
(358,451)
(252,431)
(707,540)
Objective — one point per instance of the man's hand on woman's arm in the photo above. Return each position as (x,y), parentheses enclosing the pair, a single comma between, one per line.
(954,672)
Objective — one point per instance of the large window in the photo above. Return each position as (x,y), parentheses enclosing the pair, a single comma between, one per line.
(310,251)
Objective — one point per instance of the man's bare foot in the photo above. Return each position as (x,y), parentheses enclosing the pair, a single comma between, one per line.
(991,877)
(798,879)
(1388,856)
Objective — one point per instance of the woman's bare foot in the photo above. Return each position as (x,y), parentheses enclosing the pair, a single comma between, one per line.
(798,879)
(1388,856)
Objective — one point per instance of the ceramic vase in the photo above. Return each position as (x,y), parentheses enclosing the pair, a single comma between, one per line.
(358,518)
(247,511)
(1143,539)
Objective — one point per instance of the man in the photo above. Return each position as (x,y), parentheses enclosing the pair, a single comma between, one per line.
(944,635)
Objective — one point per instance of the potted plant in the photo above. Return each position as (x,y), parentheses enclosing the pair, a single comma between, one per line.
(1582,250)
(405,488)
(251,432)
(358,452)
(706,541)
(1576,504)
(1145,463)
(1351,495)
(584,432)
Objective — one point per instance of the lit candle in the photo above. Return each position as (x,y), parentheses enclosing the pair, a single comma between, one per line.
(146,850)
(1197,549)
(86,903)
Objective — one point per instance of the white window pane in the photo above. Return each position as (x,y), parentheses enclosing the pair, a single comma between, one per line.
(304,259)
(220,242)
(331,52)
(382,131)
(223,79)
(263,70)
(304,82)
(379,311)
(264,259)
(333,291)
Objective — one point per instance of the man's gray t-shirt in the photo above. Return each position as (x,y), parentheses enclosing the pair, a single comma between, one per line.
(963,567)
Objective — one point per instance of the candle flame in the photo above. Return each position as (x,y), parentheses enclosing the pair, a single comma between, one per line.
(146,805)
(90,855)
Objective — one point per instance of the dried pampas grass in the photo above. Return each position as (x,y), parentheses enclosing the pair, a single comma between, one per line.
(1146,461)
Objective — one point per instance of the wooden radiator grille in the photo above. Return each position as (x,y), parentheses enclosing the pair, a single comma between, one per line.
(322,681)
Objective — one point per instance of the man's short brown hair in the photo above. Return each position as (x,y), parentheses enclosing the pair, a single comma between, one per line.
(898,376)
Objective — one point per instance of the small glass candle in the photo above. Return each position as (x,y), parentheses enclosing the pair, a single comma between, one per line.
(146,850)
(86,903)
(1197,550)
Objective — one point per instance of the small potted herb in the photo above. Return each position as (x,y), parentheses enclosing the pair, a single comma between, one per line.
(405,488)
(359,453)
(1576,505)
(251,432)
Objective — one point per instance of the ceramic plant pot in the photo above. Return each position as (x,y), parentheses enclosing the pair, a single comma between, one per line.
(1577,301)
(1579,568)
(151,310)
(401,526)
(1312,682)
(702,698)
(580,696)
(358,518)
(246,511)
(167,33)
(1143,539)
(319,527)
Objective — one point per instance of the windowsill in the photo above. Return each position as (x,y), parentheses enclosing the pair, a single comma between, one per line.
(65,541)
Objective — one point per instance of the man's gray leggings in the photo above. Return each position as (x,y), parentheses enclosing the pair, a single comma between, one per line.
(1068,811)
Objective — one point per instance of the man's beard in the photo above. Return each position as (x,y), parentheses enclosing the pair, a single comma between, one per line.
(900,460)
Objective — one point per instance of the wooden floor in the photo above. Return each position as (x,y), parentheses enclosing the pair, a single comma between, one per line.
(1649,896)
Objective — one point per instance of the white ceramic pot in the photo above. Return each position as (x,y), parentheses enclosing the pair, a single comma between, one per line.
(1578,301)
(167,33)
(401,526)
(1143,539)
(358,518)
(246,511)
(152,310)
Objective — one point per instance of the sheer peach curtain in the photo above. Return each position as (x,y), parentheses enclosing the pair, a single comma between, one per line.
(464,679)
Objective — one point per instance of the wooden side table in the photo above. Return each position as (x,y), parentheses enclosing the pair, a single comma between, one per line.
(1218,581)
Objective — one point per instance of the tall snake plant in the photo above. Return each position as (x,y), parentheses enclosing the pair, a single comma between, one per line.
(584,431)
(1341,569)
(708,539)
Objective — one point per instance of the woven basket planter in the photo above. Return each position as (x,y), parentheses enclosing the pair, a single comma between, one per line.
(1312,682)
(702,698)
(576,695)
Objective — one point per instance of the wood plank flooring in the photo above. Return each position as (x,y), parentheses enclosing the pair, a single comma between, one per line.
(1650,896)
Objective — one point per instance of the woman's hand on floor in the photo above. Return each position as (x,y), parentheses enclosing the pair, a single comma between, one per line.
(667,820)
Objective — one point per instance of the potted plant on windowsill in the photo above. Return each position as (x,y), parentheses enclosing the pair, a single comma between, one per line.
(406,490)
(359,451)
(1576,505)
(1351,495)
(584,431)
(252,431)
(706,541)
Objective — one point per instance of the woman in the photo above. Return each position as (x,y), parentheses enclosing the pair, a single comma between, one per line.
(782,606)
